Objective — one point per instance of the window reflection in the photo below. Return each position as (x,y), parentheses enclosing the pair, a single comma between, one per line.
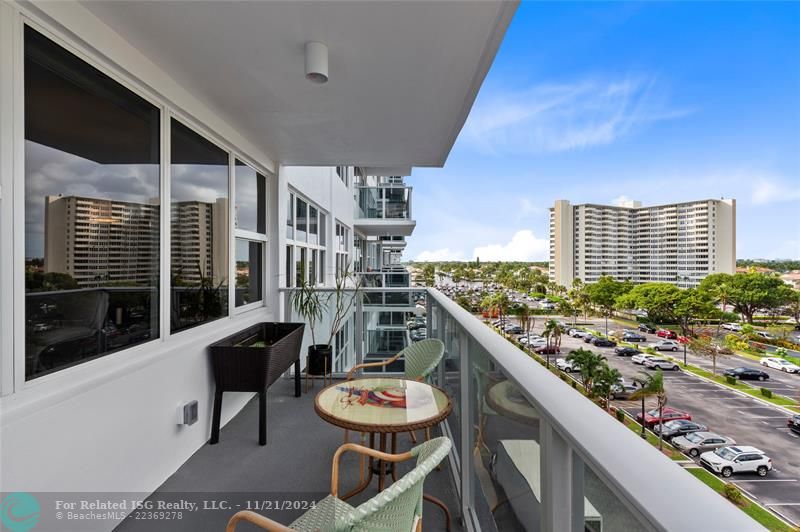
(250,212)
(91,211)
(249,278)
(199,229)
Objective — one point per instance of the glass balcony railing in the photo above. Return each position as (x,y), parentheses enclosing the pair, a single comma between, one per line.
(385,202)
(390,279)
(530,453)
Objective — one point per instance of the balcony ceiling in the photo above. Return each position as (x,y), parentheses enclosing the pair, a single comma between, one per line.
(403,75)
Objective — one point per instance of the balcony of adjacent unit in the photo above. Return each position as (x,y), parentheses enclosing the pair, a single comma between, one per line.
(384,210)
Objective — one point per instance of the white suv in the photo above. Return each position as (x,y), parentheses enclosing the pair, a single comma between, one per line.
(665,345)
(663,363)
(737,459)
(567,365)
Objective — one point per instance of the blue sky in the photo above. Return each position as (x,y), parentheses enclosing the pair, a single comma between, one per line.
(594,102)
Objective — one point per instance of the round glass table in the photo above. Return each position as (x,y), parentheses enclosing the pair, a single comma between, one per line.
(383,406)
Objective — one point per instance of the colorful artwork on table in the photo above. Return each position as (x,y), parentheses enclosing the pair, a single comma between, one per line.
(382,396)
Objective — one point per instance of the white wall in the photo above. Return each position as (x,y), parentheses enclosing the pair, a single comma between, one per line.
(109,424)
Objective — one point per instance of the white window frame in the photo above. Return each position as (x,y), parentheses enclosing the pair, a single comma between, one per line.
(13,20)
(252,236)
(297,244)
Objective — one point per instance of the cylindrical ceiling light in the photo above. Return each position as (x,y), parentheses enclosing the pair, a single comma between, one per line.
(316,62)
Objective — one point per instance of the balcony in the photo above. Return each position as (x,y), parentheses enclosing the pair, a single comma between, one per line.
(529,452)
(384,211)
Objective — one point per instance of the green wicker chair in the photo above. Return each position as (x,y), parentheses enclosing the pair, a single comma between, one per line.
(421,358)
(396,509)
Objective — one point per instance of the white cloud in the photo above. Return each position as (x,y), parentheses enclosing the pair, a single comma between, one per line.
(621,201)
(560,117)
(771,191)
(524,246)
(439,255)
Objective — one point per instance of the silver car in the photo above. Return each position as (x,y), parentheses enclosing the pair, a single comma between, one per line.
(696,443)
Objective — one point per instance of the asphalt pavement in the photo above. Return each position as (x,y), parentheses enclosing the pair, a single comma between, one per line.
(746,420)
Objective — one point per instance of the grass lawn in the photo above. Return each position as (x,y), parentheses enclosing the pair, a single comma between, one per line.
(652,439)
(754,510)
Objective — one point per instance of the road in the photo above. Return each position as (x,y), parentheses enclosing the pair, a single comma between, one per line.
(744,419)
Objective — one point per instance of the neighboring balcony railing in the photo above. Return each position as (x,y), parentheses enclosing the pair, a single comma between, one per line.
(381,279)
(384,202)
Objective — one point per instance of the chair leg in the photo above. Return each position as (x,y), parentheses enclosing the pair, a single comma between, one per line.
(413,436)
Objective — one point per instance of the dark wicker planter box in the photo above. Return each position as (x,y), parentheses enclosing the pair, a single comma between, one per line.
(250,361)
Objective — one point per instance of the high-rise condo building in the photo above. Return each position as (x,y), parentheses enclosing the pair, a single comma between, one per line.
(678,243)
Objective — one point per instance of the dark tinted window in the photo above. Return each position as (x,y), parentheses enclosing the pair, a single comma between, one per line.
(199,229)
(91,211)
(250,199)
(249,272)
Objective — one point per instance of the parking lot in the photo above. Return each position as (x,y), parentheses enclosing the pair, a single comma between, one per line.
(746,420)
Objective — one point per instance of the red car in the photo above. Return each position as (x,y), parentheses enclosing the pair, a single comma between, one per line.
(666,333)
(669,414)
(552,350)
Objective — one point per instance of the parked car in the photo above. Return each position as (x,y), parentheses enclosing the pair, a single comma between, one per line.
(577,333)
(626,351)
(665,345)
(732,327)
(513,329)
(569,366)
(663,363)
(779,363)
(666,333)
(640,358)
(679,427)
(794,423)
(745,373)
(604,342)
(552,350)
(764,334)
(589,338)
(737,459)
(696,443)
(669,414)
(622,391)
(646,328)
(633,337)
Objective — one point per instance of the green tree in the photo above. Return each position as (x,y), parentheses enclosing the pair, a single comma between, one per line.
(749,292)
(793,305)
(705,346)
(606,379)
(589,363)
(652,385)
(604,294)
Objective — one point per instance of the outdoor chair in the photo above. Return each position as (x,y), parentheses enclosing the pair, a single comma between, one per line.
(396,509)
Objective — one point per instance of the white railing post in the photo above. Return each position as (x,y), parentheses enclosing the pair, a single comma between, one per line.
(360,340)
(556,480)
(467,436)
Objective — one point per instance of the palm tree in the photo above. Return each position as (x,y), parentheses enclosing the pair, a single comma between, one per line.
(524,317)
(652,385)
(589,364)
(722,294)
(605,381)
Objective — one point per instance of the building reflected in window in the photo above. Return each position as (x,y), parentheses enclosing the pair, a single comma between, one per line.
(92,211)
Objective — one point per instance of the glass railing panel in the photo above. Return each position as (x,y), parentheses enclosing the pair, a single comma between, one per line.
(389,202)
(603,510)
(505,467)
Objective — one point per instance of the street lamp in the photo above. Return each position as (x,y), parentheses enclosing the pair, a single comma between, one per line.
(644,436)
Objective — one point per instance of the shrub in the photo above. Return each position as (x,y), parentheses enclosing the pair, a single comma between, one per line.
(620,413)
(733,494)
(730,379)
(766,393)
(781,352)
(575,384)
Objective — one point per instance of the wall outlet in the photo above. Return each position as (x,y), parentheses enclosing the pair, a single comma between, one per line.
(187,414)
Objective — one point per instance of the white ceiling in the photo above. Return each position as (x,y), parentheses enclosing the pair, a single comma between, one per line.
(403,74)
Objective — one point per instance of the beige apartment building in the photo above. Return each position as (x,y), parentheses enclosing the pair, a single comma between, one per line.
(678,243)
(100,241)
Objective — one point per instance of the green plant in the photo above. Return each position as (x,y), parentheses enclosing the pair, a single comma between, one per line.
(620,415)
(730,379)
(652,385)
(733,494)
(575,384)
(781,352)
(766,393)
